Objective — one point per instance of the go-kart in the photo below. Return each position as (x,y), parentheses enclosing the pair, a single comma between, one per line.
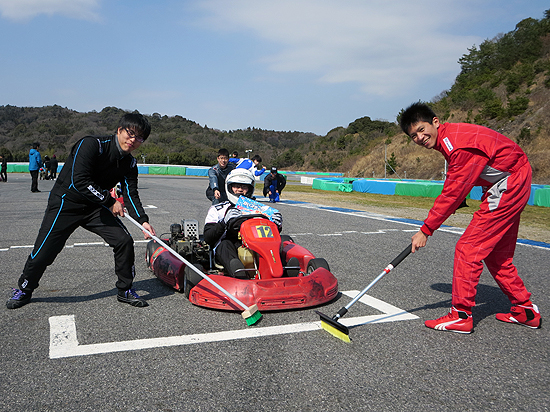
(279,273)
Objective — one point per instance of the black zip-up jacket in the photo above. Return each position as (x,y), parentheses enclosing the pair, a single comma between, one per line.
(93,168)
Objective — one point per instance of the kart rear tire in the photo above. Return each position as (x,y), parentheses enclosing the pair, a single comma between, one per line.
(286,238)
(151,247)
(315,264)
(192,278)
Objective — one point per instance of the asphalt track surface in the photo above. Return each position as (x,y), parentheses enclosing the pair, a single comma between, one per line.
(74,347)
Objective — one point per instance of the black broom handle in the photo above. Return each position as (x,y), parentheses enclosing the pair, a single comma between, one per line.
(387,270)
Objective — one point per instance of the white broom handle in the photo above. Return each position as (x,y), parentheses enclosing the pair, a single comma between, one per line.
(189,265)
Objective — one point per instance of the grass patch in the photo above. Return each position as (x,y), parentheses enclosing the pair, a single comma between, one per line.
(533,216)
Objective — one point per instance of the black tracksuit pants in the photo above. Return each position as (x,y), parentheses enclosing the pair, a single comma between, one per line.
(34,180)
(226,251)
(61,219)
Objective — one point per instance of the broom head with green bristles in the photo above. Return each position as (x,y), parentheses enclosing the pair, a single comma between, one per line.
(252,315)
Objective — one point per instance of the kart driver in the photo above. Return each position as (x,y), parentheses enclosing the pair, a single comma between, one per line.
(222,222)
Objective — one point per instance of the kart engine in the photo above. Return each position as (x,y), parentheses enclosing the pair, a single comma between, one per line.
(185,240)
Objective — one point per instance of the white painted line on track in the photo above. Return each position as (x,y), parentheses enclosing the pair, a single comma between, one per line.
(390,313)
(403,221)
(77,244)
(90,244)
(348,232)
(64,342)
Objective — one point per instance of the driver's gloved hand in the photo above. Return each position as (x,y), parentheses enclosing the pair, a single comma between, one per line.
(277,218)
(232,213)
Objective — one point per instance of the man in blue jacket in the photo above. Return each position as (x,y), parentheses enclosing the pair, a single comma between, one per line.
(249,164)
(80,197)
(35,163)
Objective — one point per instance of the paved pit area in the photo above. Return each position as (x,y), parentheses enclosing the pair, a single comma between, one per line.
(74,347)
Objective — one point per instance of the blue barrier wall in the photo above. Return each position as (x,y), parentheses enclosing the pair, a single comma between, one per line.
(539,193)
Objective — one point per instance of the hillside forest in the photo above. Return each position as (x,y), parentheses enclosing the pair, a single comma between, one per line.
(504,84)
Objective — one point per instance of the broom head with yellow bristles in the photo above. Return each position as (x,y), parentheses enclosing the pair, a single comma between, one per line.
(333,327)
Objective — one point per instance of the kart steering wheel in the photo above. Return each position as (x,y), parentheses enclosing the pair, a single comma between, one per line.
(234,225)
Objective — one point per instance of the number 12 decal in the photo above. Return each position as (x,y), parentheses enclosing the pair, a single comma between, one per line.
(264,231)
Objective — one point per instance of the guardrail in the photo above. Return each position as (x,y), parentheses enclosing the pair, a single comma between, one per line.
(176,170)
(540,194)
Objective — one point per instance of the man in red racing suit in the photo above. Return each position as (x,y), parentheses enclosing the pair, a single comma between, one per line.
(477,156)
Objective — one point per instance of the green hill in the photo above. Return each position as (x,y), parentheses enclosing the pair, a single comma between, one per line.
(173,140)
(503,84)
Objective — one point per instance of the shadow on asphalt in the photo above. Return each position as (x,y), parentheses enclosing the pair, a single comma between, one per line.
(148,289)
(489,301)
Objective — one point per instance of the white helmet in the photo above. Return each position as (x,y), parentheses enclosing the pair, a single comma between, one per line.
(242,176)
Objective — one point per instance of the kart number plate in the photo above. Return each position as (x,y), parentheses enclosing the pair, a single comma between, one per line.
(264,232)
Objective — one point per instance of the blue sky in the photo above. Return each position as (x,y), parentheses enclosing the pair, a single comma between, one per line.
(291,65)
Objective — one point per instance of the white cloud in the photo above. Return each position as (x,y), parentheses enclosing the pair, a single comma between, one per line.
(22,10)
(383,46)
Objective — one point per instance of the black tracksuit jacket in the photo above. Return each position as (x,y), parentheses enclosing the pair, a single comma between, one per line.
(93,168)
(81,197)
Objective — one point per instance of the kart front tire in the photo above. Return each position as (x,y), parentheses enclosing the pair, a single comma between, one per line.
(192,278)
(315,264)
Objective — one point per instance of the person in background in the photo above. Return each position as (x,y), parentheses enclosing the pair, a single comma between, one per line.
(53,168)
(235,155)
(47,166)
(81,197)
(274,183)
(217,175)
(249,164)
(477,156)
(35,163)
(3,169)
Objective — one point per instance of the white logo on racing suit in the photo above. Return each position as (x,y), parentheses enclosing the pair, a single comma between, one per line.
(95,192)
(448,144)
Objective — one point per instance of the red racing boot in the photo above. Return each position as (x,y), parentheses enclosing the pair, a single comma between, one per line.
(526,315)
(455,321)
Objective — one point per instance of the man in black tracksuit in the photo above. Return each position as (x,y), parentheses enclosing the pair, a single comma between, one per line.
(80,197)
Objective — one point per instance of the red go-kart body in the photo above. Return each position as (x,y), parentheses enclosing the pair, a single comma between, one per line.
(282,275)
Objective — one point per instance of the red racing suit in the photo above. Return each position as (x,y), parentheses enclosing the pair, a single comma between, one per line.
(478,156)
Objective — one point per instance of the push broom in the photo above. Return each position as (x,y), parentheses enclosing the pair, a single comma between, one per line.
(335,328)
(251,314)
